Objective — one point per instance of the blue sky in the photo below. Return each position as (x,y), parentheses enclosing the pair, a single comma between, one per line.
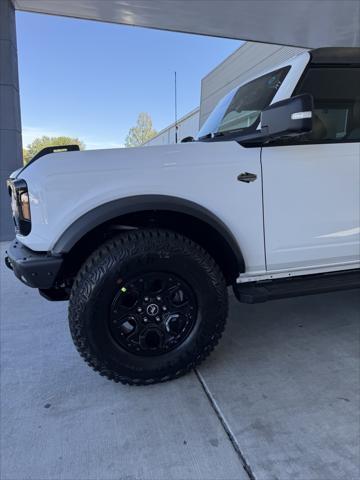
(90,79)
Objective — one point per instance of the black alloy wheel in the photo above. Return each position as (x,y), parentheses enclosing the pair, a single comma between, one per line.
(152,313)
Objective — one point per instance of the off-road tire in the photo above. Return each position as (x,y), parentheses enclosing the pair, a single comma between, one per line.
(132,251)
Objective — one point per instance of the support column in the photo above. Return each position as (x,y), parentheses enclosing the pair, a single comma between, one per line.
(10,120)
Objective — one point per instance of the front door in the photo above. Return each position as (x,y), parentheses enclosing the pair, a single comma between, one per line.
(311,185)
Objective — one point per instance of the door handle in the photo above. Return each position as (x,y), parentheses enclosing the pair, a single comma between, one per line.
(247,177)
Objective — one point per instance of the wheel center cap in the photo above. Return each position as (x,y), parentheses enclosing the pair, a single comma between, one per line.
(152,309)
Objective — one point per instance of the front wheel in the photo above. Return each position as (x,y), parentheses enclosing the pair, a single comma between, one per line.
(147,307)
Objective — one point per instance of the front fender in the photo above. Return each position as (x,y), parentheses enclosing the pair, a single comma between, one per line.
(117,208)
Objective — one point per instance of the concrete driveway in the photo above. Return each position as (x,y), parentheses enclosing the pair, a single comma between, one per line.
(278,399)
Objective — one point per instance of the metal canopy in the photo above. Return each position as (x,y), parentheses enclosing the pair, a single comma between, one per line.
(304,23)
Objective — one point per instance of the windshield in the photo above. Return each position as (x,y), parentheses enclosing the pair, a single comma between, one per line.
(241,108)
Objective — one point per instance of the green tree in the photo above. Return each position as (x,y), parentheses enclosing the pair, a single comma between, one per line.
(141,132)
(42,142)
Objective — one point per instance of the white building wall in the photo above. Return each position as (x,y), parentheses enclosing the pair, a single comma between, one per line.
(188,126)
(246,62)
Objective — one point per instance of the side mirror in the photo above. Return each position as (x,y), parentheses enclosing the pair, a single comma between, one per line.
(287,118)
(187,139)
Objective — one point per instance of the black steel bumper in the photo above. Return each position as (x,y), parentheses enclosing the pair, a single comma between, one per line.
(37,270)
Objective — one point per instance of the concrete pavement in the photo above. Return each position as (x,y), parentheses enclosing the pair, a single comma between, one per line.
(286,378)
(280,395)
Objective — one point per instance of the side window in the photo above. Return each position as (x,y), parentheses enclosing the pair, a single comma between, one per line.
(336,92)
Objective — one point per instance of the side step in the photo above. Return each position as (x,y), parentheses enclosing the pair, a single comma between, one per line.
(257,292)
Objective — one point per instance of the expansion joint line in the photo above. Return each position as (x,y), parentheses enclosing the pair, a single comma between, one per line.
(225,426)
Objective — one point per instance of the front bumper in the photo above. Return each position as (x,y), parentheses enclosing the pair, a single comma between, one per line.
(37,270)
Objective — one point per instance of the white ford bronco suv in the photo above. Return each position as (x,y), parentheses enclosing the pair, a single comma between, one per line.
(145,241)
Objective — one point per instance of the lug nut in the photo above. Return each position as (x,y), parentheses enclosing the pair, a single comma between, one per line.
(139,309)
(145,319)
(158,319)
(158,298)
(164,308)
(146,299)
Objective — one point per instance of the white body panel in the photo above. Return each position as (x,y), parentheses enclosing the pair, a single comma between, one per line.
(311,205)
(64,186)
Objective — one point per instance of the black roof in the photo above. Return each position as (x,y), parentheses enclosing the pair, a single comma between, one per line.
(335,55)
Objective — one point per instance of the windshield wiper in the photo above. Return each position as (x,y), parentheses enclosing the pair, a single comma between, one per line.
(228,133)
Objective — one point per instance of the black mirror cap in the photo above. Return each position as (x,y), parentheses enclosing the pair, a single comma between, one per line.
(289,117)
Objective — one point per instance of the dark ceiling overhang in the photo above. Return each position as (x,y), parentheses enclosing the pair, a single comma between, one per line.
(304,23)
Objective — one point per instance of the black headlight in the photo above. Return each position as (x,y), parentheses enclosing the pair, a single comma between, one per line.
(20,205)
